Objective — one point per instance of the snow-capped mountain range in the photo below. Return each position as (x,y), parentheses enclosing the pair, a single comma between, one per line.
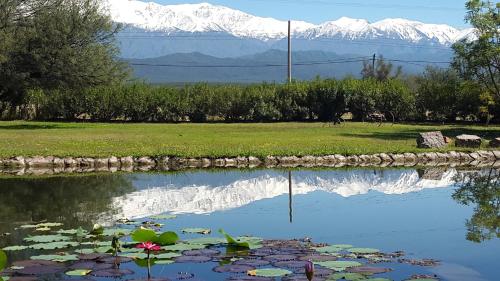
(203,27)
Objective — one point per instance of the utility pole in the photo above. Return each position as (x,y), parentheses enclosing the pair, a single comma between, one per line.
(289,51)
(373,64)
(290,196)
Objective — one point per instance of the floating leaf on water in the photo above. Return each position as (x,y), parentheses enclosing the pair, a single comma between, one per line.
(103,249)
(48,224)
(197,230)
(183,247)
(201,252)
(206,241)
(233,268)
(269,272)
(85,251)
(112,273)
(163,217)
(134,255)
(368,270)
(316,257)
(193,259)
(252,262)
(53,245)
(38,270)
(47,238)
(143,235)
(343,246)
(338,265)
(167,238)
(57,258)
(347,276)
(166,256)
(117,232)
(28,226)
(78,272)
(329,249)
(363,250)
(379,279)
(15,248)
(43,229)
(164,262)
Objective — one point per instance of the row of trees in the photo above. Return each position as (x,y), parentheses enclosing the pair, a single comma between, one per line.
(438,95)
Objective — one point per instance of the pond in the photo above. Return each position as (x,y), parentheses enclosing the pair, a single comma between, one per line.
(449,215)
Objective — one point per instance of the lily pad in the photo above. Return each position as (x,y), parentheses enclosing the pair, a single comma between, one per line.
(43,229)
(363,250)
(166,256)
(163,217)
(112,273)
(329,249)
(47,238)
(339,265)
(233,268)
(201,252)
(347,276)
(117,232)
(134,255)
(15,248)
(206,241)
(57,258)
(167,238)
(78,272)
(53,245)
(164,262)
(316,258)
(252,262)
(183,247)
(49,224)
(269,272)
(197,230)
(192,259)
(368,270)
(38,270)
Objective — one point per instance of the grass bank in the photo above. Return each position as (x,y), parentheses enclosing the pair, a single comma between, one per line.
(216,140)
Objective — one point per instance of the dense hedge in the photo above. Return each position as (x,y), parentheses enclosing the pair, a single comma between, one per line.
(317,100)
(322,100)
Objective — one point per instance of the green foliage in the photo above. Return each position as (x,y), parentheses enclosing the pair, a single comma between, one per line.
(482,190)
(479,60)
(149,235)
(233,242)
(57,45)
(3,260)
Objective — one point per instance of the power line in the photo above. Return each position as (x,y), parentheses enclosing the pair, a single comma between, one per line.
(340,61)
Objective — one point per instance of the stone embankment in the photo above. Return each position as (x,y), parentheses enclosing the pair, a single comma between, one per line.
(54,165)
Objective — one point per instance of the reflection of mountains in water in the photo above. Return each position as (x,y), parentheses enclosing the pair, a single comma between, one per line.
(203,193)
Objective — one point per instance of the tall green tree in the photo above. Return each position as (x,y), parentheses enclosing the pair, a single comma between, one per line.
(479,59)
(56,44)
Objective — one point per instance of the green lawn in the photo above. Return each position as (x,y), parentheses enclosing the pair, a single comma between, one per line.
(215,140)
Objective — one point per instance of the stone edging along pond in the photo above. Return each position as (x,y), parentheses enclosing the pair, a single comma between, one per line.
(53,165)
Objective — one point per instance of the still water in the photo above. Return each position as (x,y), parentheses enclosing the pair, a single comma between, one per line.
(440,213)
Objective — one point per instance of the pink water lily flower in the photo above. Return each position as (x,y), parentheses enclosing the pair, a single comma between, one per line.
(148,246)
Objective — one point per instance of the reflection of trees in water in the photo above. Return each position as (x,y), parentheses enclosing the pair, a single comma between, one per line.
(74,200)
(481,189)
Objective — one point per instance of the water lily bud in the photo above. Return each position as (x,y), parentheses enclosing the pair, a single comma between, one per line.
(309,268)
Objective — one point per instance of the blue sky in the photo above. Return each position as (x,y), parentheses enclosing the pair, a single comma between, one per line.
(316,11)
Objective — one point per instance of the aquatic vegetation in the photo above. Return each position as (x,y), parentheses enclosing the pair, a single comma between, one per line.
(237,258)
